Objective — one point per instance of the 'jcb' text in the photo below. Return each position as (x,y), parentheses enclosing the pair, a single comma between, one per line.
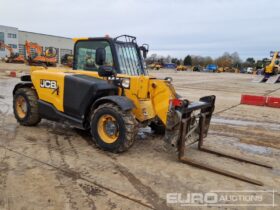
(51,84)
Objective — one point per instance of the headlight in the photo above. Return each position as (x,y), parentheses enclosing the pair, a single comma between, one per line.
(125,82)
(169,79)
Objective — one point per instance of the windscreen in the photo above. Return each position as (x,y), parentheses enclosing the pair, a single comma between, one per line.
(129,60)
(85,52)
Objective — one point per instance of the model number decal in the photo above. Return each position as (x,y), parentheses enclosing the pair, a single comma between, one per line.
(51,84)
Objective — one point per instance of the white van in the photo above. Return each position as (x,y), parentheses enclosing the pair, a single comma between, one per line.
(249,70)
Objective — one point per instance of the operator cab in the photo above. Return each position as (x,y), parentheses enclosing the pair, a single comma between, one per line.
(109,56)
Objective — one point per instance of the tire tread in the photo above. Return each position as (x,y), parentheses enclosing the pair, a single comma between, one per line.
(131,125)
(34,117)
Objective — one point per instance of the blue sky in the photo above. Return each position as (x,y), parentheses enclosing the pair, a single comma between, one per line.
(171,27)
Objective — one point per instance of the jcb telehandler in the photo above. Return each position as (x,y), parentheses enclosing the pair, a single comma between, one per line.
(109,93)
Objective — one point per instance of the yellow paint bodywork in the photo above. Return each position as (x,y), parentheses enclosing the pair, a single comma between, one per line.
(150,95)
(47,94)
(161,92)
(78,39)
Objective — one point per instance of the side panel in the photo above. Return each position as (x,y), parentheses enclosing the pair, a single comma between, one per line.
(48,111)
(139,94)
(50,87)
(80,91)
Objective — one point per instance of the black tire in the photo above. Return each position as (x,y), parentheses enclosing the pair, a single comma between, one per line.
(32,116)
(126,123)
(157,127)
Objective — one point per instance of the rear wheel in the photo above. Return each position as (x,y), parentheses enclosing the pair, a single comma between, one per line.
(25,106)
(113,129)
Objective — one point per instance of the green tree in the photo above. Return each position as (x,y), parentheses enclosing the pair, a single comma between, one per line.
(188,60)
(174,60)
(251,61)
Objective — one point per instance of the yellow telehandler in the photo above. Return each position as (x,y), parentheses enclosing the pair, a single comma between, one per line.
(109,93)
(271,71)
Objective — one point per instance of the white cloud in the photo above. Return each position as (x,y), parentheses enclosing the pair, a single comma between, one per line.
(175,27)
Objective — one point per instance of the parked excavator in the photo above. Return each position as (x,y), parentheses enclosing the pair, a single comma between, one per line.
(12,57)
(109,93)
(271,71)
(38,57)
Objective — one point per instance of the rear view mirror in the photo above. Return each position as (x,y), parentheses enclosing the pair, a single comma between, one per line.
(145,49)
(100,56)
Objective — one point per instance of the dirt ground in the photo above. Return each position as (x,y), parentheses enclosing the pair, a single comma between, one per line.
(53,166)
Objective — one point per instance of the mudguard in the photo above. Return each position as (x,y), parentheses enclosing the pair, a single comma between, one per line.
(21,85)
(123,102)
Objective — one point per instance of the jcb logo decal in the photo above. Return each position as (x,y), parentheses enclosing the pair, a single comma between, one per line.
(51,84)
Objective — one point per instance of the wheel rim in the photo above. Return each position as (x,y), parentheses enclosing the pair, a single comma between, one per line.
(107,128)
(21,106)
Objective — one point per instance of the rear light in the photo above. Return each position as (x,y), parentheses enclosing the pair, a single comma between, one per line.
(175,102)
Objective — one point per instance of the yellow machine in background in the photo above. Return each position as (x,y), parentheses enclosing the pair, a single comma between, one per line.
(181,68)
(270,72)
(272,68)
(155,66)
(228,69)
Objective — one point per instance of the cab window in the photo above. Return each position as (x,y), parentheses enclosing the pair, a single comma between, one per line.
(85,54)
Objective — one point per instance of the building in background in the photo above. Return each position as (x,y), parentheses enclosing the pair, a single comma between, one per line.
(16,39)
(8,35)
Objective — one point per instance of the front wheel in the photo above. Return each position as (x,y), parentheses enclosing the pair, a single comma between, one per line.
(113,129)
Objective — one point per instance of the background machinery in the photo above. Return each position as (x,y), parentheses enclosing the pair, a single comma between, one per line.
(156,66)
(211,68)
(181,68)
(13,57)
(109,93)
(36,56)
(270,72)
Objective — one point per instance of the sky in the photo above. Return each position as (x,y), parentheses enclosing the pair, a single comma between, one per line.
(170,27)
